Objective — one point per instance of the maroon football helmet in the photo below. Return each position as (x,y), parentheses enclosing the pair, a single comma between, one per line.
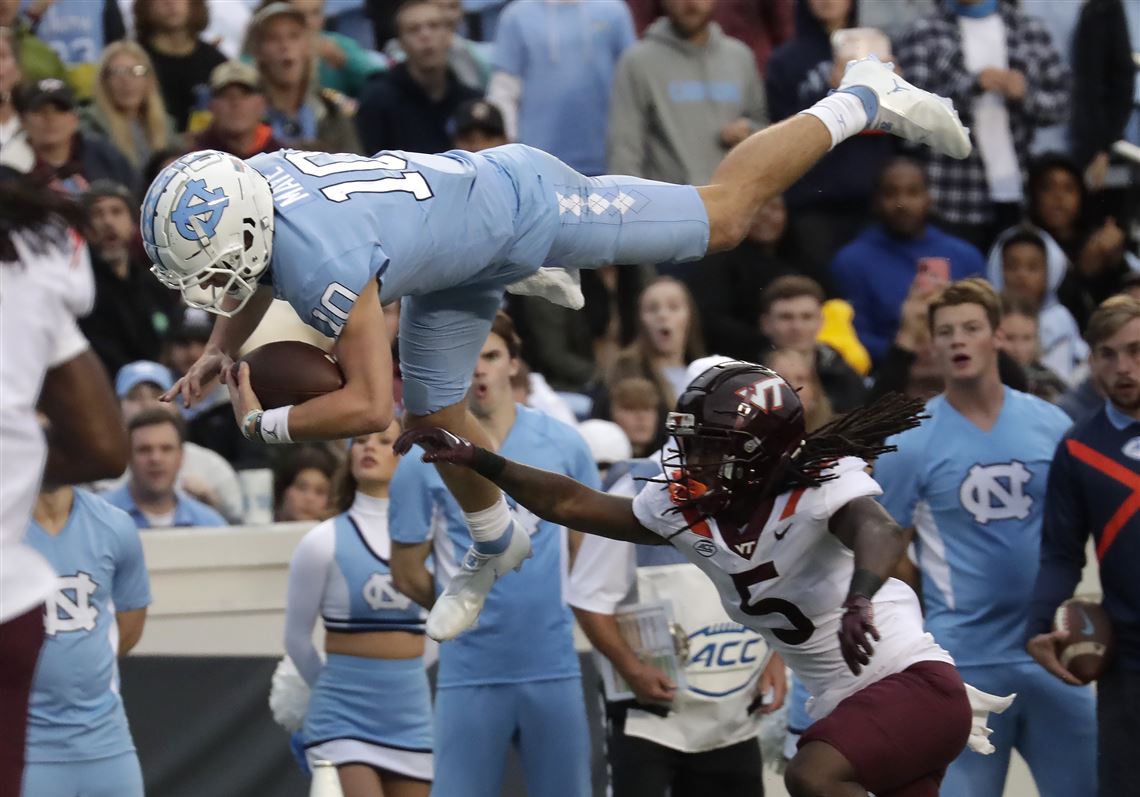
(734,427)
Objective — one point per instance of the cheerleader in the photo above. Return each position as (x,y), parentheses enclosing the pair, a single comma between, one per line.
(370,710)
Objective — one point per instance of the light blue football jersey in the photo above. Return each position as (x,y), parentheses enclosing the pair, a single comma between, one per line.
(524,632)
(975,500)
(359,595)
(75,712)
(420,223)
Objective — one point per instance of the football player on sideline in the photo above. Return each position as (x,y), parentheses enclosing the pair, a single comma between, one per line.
(340,235)
(45,363)
(787,527)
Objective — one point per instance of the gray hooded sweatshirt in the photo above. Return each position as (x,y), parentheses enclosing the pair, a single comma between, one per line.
(670,100)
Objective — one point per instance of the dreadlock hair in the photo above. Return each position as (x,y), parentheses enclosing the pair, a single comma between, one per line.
(860,433)
(42,216)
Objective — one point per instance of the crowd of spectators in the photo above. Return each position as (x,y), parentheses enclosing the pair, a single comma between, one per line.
(656,88)
(831,287)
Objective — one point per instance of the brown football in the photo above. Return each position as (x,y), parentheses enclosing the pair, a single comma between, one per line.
(1086,653)
(291,372)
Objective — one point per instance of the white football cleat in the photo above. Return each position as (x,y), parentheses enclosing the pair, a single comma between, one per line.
(458,607)
(907,111)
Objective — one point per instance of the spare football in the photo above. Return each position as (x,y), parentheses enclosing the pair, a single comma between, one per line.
(1086,652)
(291,372)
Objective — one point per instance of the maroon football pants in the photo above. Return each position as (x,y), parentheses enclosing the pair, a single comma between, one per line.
(902,732)
(20,642)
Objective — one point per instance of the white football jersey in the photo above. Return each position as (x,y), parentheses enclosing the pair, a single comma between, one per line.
(41,296)
(790,582)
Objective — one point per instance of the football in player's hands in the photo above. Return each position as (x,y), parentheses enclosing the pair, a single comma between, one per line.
(290,372)
(1087,646)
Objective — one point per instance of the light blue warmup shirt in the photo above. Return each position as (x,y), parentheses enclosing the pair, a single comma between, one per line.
(975,500)
(524,632)
(75,712)
(565,54)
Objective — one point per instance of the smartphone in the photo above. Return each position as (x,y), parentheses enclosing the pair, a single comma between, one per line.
(932,272)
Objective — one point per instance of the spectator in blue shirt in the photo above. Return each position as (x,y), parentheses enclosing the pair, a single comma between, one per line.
(554,64)
(875,271)
(1093,487)
(149,496)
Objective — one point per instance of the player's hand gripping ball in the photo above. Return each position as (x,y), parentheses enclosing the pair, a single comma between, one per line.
(289,372)
(1087,646)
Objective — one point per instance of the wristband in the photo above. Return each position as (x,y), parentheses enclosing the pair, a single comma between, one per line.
(864,583)
(274,426)
(487,463)
(251,425)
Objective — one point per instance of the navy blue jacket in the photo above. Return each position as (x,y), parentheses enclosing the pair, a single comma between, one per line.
(1094,486)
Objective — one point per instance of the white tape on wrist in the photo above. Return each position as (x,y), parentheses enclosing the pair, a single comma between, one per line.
(275,426)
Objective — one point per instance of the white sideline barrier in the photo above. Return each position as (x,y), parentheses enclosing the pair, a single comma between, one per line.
(222,591)
(218,592)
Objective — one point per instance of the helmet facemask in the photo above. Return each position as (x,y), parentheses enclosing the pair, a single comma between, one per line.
(708,469)
(229,276)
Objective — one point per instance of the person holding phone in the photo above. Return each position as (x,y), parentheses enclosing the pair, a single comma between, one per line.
(875,272)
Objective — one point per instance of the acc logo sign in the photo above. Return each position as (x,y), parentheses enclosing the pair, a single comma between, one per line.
(205,212)
(69,608)
(724,659)
(997,492)
(765,394)
(380,594)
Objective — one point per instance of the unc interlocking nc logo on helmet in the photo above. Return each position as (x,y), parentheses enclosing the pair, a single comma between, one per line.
(199,204)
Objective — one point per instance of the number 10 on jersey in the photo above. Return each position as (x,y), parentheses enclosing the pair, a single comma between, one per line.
(352,166)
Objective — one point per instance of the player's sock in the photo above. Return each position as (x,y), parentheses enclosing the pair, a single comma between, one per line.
(488,527)
(846,112)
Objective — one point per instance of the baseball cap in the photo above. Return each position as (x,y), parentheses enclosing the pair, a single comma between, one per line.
(142,372)
(104,188)
(478,115)
(42,92)
(234,73)
(273,10)
(194,325)
(608,443)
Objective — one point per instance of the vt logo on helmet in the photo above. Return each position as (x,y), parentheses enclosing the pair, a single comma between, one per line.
(199,210)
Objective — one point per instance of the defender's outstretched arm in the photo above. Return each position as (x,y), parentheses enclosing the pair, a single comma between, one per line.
(552,496)
(878,543)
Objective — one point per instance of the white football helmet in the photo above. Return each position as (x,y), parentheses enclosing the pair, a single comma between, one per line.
(207,225)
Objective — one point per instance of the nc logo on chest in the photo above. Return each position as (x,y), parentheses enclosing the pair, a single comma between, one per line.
(997,492)
(379,593)
(69,608)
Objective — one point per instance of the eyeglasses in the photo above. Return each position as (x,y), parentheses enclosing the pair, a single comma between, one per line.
(137,70)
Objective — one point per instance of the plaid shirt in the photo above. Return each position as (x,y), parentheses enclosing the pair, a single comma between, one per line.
(930,56)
